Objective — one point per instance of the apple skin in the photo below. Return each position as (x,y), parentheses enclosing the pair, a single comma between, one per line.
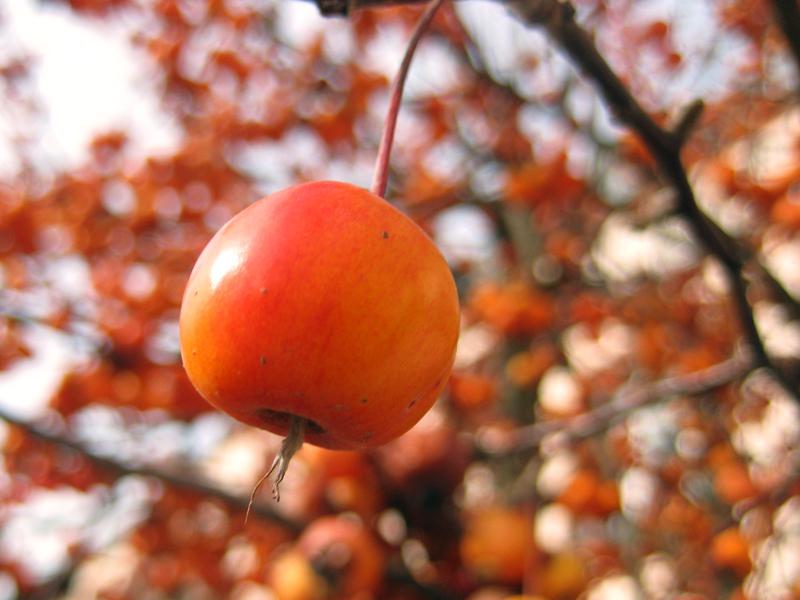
(326,302)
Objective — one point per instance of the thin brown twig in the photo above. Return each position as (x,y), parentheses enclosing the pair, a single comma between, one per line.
(626,400)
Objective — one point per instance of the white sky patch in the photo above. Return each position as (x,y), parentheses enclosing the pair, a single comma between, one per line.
(114,568)
(464,233)
(555,473)
(139,281)
(659,577)
(91,80)
(560,392)
(589,353)
(36,531)
(474,344)
(766,441)
(615,587)
(299,22)
(503,43)
(26,387)
(782,258)
(778,558)
(10,163)
(638,489)
(652,431)
(553,529)
(8,587)
(384,52)
(240,459)
(623,251)
(434,68)
(338,42)
(273,165)
(781,336)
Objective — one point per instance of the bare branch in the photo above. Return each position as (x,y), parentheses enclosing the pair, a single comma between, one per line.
(787,13)
(683,128)
(777,288)
(394,571)
(118,467)
(558,19)
(342,8)
(626,400)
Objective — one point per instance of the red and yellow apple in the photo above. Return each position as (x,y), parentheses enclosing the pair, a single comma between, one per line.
(325,303)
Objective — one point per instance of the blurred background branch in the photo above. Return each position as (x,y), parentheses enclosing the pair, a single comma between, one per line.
(787,13)
(190,483)
(630,397)
(558,18)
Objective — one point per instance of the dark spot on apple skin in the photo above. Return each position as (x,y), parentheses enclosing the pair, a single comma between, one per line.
(195,293)
(364,401)
(367,436)
(386,235)
(262,360)
(411,404)
(263,290)
(277,417)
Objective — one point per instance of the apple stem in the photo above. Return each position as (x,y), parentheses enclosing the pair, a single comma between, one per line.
(289,446)
(381,177)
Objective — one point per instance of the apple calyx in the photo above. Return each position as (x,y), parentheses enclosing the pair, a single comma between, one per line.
(289,446)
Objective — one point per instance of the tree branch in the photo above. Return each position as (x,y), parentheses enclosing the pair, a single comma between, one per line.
(118,467)
(787,13)
(748,257)
(191,484)
(558,19)
(342,8)
(626,400)
(685,125)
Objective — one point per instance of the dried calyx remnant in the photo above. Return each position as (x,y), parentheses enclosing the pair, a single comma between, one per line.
(285,418)
(290,445)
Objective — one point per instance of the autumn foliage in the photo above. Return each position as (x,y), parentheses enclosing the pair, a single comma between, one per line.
(622,416)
